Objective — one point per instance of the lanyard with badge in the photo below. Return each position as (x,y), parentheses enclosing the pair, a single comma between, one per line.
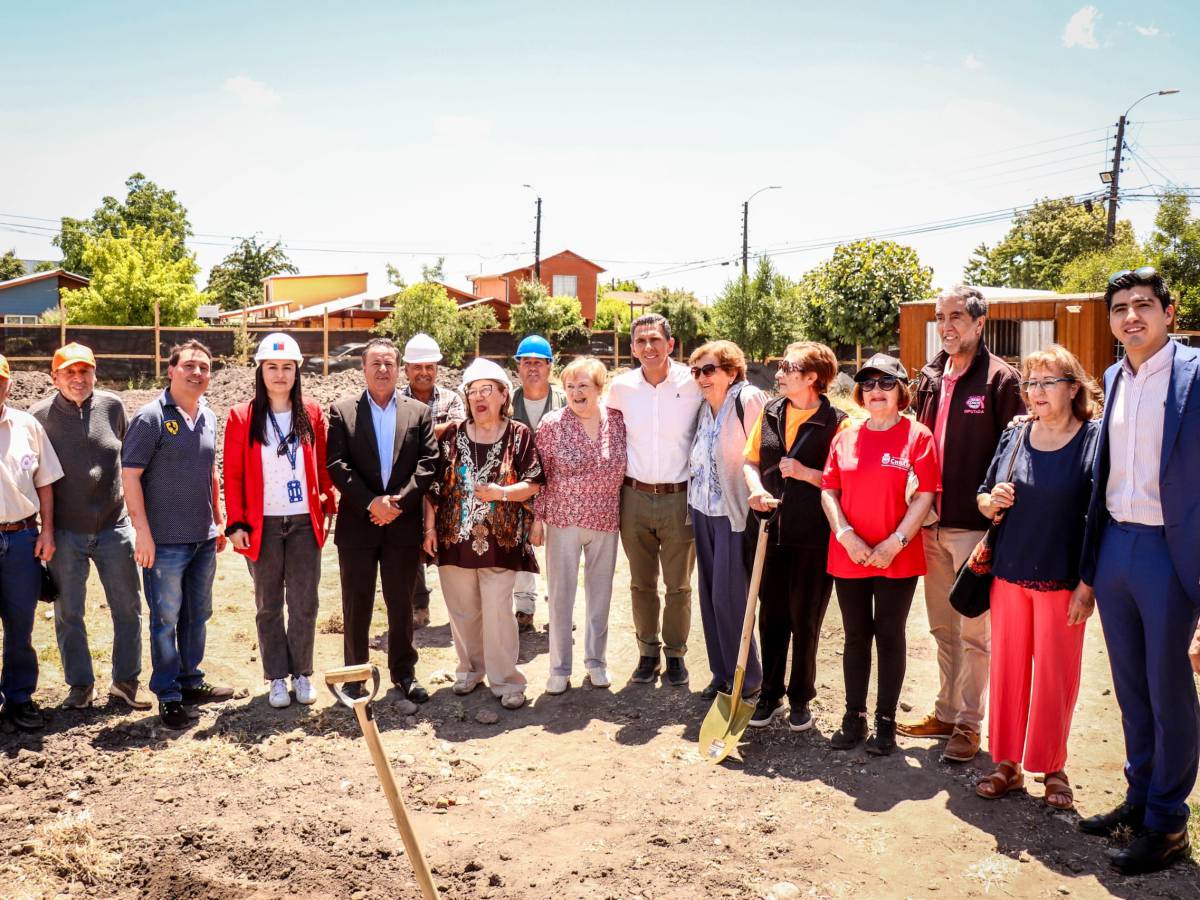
(290,446)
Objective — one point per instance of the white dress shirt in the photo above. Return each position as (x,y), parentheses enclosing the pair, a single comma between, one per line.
(660,422)
(1135,431)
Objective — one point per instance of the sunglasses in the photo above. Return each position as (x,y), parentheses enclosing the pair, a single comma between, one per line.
(787,368)
(1145,273)
(884,382)
(1045,384)
(706,371)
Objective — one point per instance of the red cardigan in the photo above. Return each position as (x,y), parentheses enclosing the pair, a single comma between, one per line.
(244,476)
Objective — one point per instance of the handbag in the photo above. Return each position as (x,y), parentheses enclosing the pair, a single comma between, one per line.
(971,595)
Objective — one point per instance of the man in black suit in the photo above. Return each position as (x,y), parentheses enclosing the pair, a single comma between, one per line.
(381,456)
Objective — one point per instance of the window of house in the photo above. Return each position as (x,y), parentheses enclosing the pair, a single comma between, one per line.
(20,320)
(565,286)
(1036,335)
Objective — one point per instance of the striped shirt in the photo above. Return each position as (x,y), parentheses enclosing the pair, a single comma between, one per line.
(1135,428)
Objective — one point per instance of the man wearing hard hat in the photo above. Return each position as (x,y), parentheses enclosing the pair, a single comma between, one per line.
(421,357)
(531,401)
(91,526)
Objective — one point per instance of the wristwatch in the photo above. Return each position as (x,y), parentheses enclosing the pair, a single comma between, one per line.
(902,539)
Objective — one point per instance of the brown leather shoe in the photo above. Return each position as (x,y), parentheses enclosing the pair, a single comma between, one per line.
(929,727)
(962,746)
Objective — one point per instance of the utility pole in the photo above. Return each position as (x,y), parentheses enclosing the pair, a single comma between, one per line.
(745,236)
(1110,229)
(537,235)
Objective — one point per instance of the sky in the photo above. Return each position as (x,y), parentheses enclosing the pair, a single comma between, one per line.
(399,132)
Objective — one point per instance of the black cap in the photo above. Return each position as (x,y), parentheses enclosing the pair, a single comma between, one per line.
(884,365)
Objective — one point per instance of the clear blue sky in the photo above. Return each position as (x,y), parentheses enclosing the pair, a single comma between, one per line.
(384,128)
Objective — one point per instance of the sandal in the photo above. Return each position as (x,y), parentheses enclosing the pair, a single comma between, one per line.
(1007,777)
(1058,791)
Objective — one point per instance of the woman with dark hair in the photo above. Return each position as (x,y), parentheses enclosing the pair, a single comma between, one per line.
(278,500)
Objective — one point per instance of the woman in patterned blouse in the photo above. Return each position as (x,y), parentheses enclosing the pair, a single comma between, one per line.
(582,448)
(477,520)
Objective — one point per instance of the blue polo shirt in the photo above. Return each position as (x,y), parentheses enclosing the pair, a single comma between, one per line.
(177,463)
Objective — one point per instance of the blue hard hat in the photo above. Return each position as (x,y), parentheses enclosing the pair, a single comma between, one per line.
(535,345)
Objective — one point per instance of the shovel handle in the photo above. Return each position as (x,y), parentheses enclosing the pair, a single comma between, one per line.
(335,678)
(760,554)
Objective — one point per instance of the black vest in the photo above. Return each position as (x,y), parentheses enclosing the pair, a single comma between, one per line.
(801,521)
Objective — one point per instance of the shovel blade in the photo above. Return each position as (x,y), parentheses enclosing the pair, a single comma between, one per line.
(723,727)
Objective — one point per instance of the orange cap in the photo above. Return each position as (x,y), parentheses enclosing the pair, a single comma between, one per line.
(70,354)
(5,371)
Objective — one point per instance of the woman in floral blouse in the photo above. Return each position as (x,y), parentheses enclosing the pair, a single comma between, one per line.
(477,520)
(582,448)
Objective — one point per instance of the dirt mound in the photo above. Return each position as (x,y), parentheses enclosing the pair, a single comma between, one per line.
(27,388)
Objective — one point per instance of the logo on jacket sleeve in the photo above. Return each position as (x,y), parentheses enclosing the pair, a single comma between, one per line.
(975,404)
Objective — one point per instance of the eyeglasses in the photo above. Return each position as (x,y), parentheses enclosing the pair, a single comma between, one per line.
(485,391)
(884,383)
(1045,384)
(1145,273)
(706,371)
(787,368)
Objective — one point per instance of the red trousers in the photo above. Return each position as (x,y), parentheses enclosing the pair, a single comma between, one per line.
(1036,657)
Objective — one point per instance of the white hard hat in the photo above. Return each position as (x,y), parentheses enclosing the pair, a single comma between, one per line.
(279,346)
(421,348)
(485,370)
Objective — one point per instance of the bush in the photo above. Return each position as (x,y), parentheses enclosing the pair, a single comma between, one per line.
(689,320)
(612,315)
(428,308)
(558,319)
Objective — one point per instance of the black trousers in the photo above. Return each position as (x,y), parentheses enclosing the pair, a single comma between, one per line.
(794,596)
(874,609)
(397,570)
(421,594)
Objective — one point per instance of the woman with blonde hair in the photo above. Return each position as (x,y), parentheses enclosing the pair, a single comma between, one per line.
(582,448)
(719,502)
(1038,603)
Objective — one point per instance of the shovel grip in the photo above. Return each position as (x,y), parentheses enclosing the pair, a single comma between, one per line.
(334,678)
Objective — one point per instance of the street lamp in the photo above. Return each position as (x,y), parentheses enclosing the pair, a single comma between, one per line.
(537,235)
(1113,178)
(746,224)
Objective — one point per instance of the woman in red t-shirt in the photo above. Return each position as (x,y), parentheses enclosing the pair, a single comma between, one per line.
(875,555)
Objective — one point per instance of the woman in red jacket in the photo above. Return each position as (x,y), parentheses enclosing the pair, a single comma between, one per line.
(278,500)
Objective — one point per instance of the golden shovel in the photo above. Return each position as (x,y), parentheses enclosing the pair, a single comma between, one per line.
(730,714)
(366,720)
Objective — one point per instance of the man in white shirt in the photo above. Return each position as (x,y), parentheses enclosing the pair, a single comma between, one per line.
(660,402)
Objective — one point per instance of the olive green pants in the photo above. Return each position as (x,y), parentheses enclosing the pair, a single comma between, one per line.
(657,533)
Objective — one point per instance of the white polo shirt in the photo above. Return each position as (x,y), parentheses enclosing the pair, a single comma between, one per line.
(660,422)
(27,462)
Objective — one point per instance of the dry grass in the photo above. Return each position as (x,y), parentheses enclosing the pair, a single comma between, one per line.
(331,624)
(70,848)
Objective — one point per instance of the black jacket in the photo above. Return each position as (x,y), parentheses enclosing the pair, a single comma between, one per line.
(801,522)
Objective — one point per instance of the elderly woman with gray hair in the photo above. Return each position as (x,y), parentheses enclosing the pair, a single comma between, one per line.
(719,502)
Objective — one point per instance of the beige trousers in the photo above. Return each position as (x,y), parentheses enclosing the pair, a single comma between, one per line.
(656,531)
(964,645)
(479,602)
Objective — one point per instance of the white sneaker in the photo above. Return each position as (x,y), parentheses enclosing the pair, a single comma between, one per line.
(279,697)
(305,692)
(599,677)
(512,701)
(464,686)
(557,684)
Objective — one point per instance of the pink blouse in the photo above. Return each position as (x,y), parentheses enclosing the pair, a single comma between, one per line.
(583,477)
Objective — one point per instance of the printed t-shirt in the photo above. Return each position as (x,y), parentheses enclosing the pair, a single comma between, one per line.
(870,468)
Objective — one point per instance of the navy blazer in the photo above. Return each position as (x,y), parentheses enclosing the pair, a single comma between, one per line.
(1179,475)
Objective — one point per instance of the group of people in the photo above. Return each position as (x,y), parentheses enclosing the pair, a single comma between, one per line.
(680,464)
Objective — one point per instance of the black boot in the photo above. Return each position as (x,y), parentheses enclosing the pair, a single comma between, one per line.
(648,668)
(883,741)
(853,730)
(1124,816)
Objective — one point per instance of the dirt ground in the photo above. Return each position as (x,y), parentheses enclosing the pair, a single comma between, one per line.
(592,794)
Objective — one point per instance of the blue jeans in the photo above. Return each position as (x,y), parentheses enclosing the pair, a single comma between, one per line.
(724,586)
(20,584)
(179,594)
(112,552)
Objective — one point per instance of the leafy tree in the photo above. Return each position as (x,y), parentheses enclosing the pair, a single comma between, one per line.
(48,265)
(1174,249)
(612,314)
(1040,243)
(129,273)
(394,276)
(689,319)
(761,314)
(558,319)
(145,205)
(855,297)
(236,281)
(1090,272)
(436,272)
(427,307)
(10,266)
(620,284)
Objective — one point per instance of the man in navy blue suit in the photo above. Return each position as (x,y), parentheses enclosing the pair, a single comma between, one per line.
(1142,556)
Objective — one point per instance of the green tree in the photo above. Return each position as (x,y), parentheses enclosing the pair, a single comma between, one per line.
(612,314)
(1040,243)
(761,314)
(436,272)
(129,273)
(427,307)
(1090,272)
(855,297)
(395,278)
(236,281)
(1174,249)
(146,205)
(558,319)
(620,284)
(689,319)
(10,266)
